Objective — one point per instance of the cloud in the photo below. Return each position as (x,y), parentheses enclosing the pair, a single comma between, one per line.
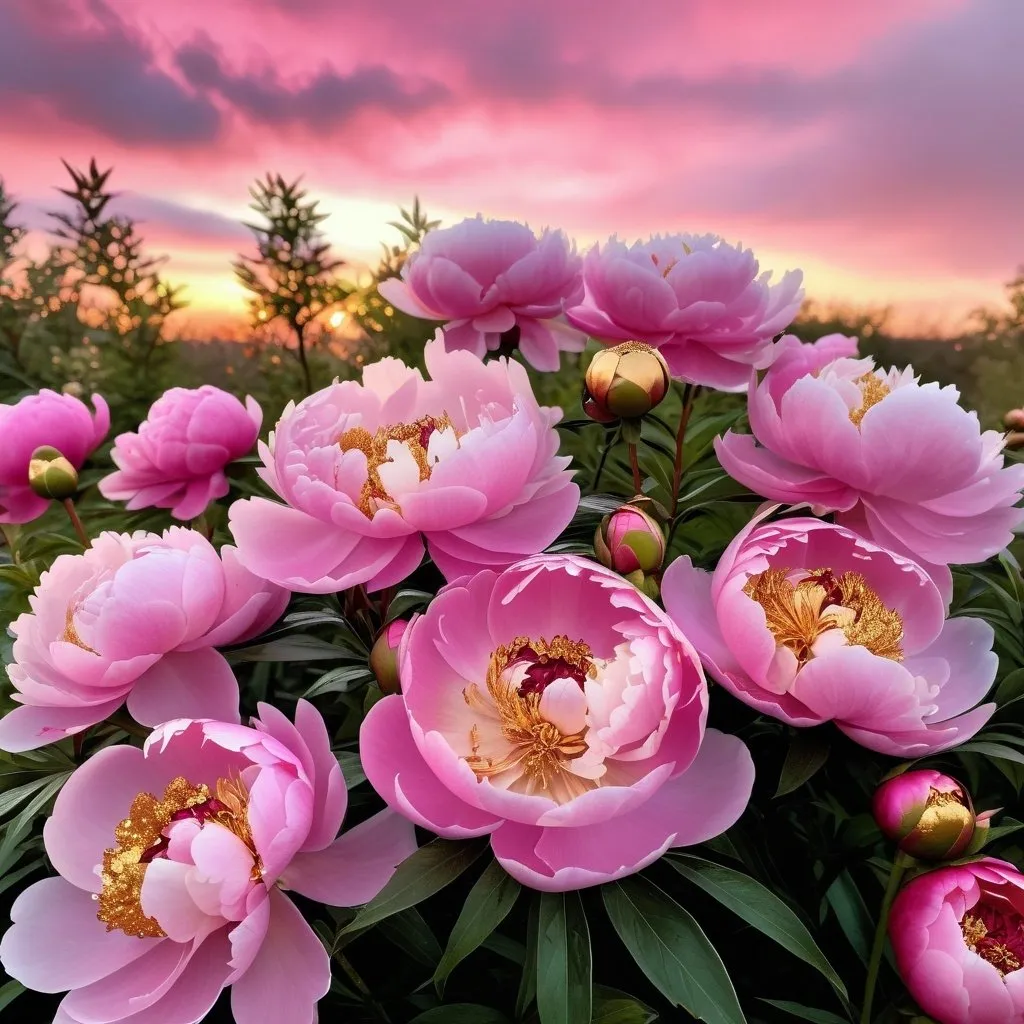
(161,222)
(327,100)
(87,66)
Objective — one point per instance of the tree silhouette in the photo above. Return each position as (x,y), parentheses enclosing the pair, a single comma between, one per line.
(293,276)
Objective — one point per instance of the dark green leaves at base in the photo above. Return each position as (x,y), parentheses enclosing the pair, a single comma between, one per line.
(759,907)
(808,751)
(486,906)
(418,877)
(672,950)
(563,960)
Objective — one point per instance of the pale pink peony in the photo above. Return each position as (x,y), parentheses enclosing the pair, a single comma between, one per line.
(177,458)
(46,418)
(222,821)
(900,461)
(495,283)
(958,936)
(557,709)
(696,298)
(137,617)
(810,623)
(466,462)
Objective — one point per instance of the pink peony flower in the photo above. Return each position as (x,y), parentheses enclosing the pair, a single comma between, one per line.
(494,282)
(958,936)
(174,863)
(177,458)
(466,462)
(135,616)
(46,418)
(810,623)
(557,709)
(696,298)
(900,461)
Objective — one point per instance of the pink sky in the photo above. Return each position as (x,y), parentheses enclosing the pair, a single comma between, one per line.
(878,144)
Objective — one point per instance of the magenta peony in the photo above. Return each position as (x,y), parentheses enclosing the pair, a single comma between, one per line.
(958,936)
(558,709)
(927,814)
(174,862)
(135,616)
(810,623)
(697,299)
(466,461)
(177,458)
(900,461)
(46,418)
(496,284)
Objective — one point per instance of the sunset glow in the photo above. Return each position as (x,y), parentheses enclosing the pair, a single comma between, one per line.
(870,144)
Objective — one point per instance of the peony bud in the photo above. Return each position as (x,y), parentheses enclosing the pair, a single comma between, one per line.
(625,382)
(1015,439)
(1014,419)
(384,656)
(51,475)
(629,540)
(927,814)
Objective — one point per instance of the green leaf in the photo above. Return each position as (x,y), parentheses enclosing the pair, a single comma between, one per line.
(293,648)
(614,1007)
(351,767)
(340,680)
(486,906)
(528,979)
(410,932)
(997,750)
(406,601)
(564,964)
(10,992)
(806,1012)
(13,797)
(846,901)
(1011,688)
(672,950)
(418,877)
(18,828)
(461,1013)
(759,907)
(808,751)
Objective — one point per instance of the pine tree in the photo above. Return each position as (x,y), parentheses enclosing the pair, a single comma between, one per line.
(293,276)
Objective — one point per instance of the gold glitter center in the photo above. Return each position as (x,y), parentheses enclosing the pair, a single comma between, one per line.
(123,871)
(872,391)
(1000,956)
(415,436)
(797,615)
(537,747)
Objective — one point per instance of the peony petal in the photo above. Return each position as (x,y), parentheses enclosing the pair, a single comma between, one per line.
(357,865)
(397,771)
(27,727)
(186,684)
(57,943)
(290,974)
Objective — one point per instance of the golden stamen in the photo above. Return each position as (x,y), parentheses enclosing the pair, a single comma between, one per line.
(123,871)
(798,615)
(974,930)
(537,745)
(70,634)
(415,436)
(872,392)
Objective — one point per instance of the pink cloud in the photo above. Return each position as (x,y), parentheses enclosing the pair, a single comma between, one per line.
(875,137)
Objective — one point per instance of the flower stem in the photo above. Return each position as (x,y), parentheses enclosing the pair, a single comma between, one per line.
(361,987)
(689,395)
(69,506)
(899,866)
(638,480)
(613,437)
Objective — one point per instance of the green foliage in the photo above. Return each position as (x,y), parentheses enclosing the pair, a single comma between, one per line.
(293,278)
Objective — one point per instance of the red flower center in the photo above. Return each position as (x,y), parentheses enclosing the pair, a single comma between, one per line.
(545,669)
(995,931)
